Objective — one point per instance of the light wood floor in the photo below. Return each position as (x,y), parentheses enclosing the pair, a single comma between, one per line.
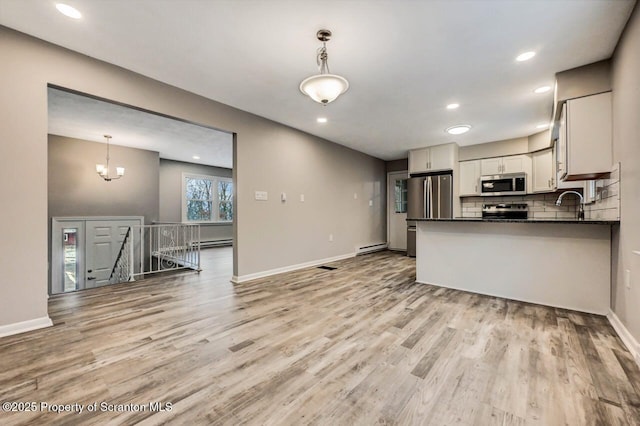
(362,344)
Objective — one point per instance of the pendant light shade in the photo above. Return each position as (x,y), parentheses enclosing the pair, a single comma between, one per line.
(324,87)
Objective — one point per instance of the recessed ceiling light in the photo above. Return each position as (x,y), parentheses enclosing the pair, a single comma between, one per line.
(195,157)
(459,129)
(525,56)
(69,11)
(321,120)
(542,126)
(543,89)
(453,106)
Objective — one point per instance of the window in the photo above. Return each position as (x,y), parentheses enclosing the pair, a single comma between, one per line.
(207,199)
(400,195)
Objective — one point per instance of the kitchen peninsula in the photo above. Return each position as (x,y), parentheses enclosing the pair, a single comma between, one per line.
(560,263)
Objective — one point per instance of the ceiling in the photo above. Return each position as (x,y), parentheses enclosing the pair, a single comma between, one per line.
(405,59)
(90,119)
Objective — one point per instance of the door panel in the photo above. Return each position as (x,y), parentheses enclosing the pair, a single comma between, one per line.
(104,239)
(397,210)
(491,166)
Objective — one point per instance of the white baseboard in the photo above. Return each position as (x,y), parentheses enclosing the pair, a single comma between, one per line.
(24,326)
(242,278)
(630,342)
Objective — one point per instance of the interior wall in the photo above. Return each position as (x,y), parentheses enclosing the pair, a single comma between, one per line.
(494,149)
(76,190)
(171,195)
(397,165)
(338,183)
(626,150)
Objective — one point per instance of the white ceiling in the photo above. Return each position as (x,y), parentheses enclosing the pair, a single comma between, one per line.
(90,119)
(405,59)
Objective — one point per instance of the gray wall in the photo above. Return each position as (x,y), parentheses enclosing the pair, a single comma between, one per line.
(494,149)
(268,156)
(626,150)
(76,190)
(171,195)
(397,165)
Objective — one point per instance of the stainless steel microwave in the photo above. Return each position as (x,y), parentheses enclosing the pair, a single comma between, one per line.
(507,184)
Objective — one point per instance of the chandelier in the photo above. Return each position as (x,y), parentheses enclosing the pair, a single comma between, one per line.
(324,87)
(103,170)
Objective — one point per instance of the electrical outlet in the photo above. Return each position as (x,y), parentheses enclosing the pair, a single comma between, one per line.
(355,195)
(302,198)
(330,237)
(627,279)
(370,203)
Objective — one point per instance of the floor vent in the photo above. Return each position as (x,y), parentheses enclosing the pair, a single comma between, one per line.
(328,268)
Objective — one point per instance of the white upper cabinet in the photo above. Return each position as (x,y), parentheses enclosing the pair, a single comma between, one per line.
(469,178)
(587,136)
(510,164)
(433,159)
(543,171)
(418,160)
(491,166)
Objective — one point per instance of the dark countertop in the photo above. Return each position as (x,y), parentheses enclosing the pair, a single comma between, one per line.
(479,220)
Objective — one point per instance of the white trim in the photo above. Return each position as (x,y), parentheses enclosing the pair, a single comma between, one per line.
(24,326)
(243,278)
(629,341)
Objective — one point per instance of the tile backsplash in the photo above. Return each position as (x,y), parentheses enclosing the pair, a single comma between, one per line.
(607,204)
(541,206)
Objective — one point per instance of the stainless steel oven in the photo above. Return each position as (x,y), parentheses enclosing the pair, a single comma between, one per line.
(507,184)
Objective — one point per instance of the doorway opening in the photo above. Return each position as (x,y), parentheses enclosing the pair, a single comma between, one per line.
(175,173)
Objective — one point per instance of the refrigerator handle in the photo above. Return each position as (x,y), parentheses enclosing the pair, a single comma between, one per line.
(429,196)
(439,194)
(426,199)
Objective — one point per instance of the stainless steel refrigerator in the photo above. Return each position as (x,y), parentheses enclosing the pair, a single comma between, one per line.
(428,197)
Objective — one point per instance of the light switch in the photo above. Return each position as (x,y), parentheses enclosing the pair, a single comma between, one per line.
(355,195)
(302,198)
(262,195)
(370,203)
(283,197)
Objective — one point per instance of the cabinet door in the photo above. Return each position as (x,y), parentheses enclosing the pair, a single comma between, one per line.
(543,171)
(469,178)
(589,129)
(441,157)
(516,164)
(491,166)
(561,145)
(418,159)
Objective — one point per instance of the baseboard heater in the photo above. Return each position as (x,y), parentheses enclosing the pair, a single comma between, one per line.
(216,243)
(370,248)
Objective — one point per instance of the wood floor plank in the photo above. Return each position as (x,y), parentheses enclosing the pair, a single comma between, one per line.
(362,344)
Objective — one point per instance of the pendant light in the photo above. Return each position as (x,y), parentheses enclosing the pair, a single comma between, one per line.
(324,87)
(103,170)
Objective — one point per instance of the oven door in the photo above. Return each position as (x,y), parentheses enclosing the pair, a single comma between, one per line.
(496,186)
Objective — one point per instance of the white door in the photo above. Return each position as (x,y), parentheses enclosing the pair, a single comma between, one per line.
(397,210)
(104,238)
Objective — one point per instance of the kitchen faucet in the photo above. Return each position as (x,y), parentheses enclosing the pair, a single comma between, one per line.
(581,205)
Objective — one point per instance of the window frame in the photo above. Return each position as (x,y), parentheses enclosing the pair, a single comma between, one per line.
(215,200)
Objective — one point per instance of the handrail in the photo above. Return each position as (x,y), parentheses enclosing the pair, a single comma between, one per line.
(120,259)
